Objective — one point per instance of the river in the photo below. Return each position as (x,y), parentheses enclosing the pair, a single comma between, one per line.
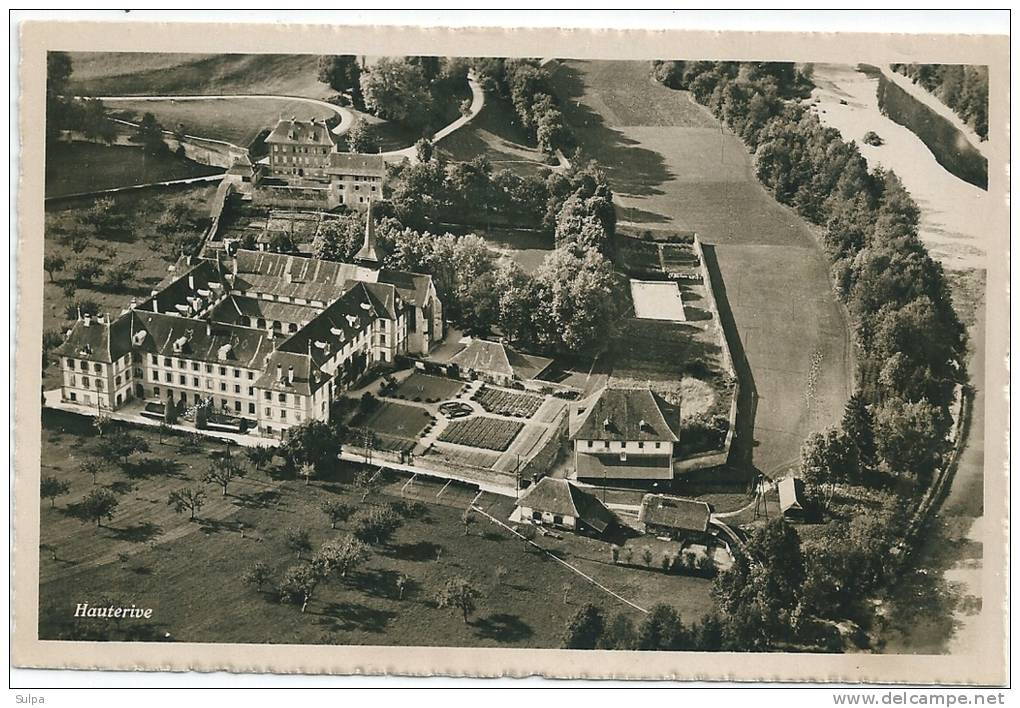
(936,608)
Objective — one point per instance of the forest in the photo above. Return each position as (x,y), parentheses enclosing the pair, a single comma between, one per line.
(962,88)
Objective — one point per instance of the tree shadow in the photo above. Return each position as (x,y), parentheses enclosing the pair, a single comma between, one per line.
(639,216)
(347,616)
(137,533)
(152,467)
(375,582)
(211,526)
(504,628)
(417,551)
(257,500)
(631,170)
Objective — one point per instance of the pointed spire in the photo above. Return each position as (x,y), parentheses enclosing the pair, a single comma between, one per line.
(369,253)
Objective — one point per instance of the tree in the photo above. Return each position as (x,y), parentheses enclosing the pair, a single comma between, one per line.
(313,442)
(259,456)
(578,302)
(647,557)
(397,89)
(307,471)
(223,470)
(299,583)
(186,499)
(910,437)
(51,488)
(361,138)
(92,466)
(619,634)
(97,505)
(859,426)
(120,445)
(661,630)
(401,582)
(335,511)
(342,72)
(93,121)
(467,518)
(339,239)
(337,558)
(499,574)
(584,629)
(376,525)
(150,134)
(459,593)
(259,575)
(829,458)
(298,540)
(424,149)
(52,264)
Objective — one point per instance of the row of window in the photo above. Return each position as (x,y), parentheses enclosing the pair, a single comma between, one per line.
(301,149)
(623,445)
(280,414)
(195,366)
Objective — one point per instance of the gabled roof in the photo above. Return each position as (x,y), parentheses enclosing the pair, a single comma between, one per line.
(313,132)
(675,512)
(498,358)
(624,414)
(98,340)
(559,496)
(356,163)
(211,342)
(235,309)
(308,378)
(791,492)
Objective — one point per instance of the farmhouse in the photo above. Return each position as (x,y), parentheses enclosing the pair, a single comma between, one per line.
(270,338)
(623,434)
(676,517)
(499,363)
(791,495)
(560,503)
(306,169)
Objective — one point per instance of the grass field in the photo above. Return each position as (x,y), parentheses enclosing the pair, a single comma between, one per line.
(394,420)
(234,120)
(125,73)
(482,431)
(424,387)
(72,168)
(148,555)
(496,134)
(142,245)
(672,166)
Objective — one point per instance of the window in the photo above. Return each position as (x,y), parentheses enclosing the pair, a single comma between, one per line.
(251,375)
(98,368)
(557,519)
(154,360)
(182,364)
(138,373)
(268,396)
(223,371)
(194,366)
(640,445)
(74,396)
(194,381)
(155,391)
(283,414)
(537,515)
(166,361)
(237,388)
(251,409)
(237,373)
(168,377)
(99,384)
(116,380)
(70,363)
(73,382)
(208,368)
(606,444)
(155,376)
(623,445)
(658,445)
(183,380)
(282,398)
(251,390)
(208,384)
(84,366)
(237,406)
(223,386)
(198,399)
(269,412)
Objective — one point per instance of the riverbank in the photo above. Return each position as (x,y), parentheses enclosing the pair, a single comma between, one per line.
(936,606)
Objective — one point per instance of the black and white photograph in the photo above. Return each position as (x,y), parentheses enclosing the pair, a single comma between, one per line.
(649,357)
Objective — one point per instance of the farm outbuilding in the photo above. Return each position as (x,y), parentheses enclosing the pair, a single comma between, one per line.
(499,363)
(560,503)
(676,517)
(791,497)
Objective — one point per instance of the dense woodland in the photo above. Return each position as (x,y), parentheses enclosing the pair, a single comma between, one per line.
(962,88)
(909,341)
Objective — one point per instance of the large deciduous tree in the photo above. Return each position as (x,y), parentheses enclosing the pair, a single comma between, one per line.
(459,593)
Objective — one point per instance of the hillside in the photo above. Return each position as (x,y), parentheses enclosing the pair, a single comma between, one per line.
(126,73)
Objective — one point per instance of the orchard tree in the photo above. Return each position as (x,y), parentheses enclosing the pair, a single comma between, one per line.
(258,575)
(376,525)
(186,499)
(92,466)
(298,540)
(299,584)
(97,505)
(336,511)
(223,471)
(337,558)
(53,264)
(259,456)
(51,488)
(584,628)
(458,593)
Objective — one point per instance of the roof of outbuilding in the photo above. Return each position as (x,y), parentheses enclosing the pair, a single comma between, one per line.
(791,491)
(559,496)
(619,414)
(356,163)
(495,357)
(675,512)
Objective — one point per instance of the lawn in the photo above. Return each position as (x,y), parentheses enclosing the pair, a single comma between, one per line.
(482,431)
(671,166)
(496,134)
(234,120)
(148,555)
(423,387)
(141,73)
(141,245)
(394,423)
(503,402)
(72,168)
(526,247)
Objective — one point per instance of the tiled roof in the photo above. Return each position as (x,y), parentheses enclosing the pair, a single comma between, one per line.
(302,132)
(675,512)
(211,342)
(498,358)
(98,340)
(558,496)
(624,414)
(602,466)
(236,309)
(356,163)
(791,492)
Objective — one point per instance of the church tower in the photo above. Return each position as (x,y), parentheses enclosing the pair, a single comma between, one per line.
(369,256)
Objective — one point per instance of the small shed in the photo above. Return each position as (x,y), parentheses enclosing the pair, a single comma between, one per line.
(560,503)
(499,363)
(677,517)
(791,497)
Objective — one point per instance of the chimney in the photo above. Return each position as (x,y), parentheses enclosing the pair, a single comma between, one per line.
(279,372)
(290,374)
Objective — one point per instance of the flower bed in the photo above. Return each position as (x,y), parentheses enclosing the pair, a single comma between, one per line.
(483,432)
(518,405)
